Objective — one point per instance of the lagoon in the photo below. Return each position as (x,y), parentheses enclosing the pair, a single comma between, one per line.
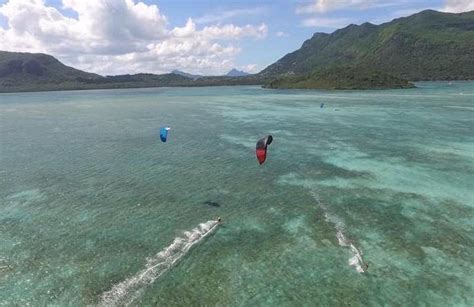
(95,209)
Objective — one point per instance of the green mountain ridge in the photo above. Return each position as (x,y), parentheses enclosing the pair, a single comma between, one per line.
(429,45)
(16,68)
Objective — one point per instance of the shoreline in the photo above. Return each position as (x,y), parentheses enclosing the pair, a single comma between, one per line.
(224,85)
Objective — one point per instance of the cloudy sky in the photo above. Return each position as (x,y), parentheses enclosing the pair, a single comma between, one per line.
(197,36)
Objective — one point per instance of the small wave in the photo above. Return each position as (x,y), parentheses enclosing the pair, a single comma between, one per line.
(128,290)
(461,107)
(356,260)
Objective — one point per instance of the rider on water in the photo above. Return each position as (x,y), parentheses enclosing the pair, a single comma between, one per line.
(365,267)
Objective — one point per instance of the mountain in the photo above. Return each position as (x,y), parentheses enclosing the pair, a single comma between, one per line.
(429,45)
(18,68)
(42,72)
(236,73)
(20,72)
(185,74)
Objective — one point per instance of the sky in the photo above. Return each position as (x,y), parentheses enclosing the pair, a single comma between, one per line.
(207,37)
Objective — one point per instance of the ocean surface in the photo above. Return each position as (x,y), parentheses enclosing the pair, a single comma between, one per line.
(96,210)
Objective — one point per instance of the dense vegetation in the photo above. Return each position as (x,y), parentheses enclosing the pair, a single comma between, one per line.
(26,71)
(340,78)
(429,45)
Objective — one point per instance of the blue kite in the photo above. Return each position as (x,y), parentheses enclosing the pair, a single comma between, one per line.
(164,133)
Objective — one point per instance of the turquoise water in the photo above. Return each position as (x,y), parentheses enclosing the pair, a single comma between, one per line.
(94,209)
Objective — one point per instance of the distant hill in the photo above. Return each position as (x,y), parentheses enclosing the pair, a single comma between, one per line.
(236,73)
(429,45)
(41,72)
(185,74)
(232,73)
(21,72)
(18,68)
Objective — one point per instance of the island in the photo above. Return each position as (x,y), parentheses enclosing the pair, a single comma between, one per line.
(341,78)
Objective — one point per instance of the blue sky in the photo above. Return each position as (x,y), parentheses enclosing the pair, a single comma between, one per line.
(241,33)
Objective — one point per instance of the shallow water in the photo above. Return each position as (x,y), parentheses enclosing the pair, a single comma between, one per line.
(91,200)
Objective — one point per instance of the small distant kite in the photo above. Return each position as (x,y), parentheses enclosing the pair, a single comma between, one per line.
(261,149)
(164,133)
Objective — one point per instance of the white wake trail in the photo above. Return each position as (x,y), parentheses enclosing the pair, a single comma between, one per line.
(126,291)
(356,260)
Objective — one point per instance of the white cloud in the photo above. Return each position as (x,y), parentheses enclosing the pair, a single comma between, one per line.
(458,6)
(232,32)
(320,22)
(315,12)
(250,68)
(322,6)
(281,34)
(228,14)
(120,36)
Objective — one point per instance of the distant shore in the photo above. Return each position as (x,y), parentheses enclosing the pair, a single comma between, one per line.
(223,85)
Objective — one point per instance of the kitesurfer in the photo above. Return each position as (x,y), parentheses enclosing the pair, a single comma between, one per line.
(219,220)
(365,267)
